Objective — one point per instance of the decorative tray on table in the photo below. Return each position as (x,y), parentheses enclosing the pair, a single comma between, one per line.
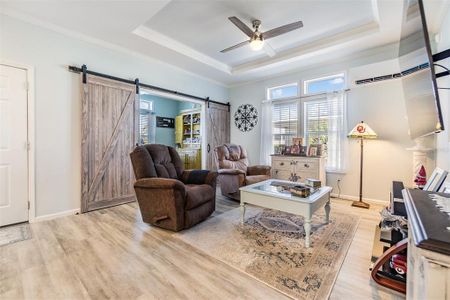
(296,189)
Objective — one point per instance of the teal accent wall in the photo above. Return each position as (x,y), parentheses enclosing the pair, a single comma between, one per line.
(168,108)
(183,105)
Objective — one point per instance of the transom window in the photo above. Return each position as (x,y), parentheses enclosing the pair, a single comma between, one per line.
(283,91)
(324,84)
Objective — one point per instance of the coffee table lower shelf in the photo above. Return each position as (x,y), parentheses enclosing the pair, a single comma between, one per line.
(262,194)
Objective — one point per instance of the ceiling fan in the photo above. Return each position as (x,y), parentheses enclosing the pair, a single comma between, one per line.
(257,38)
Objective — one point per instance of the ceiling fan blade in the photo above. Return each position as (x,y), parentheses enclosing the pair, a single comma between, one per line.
(235,46)
(244,28)
(282,29)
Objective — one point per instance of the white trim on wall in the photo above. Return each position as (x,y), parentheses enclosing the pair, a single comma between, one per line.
(48,217)
(30,134)
(356,198)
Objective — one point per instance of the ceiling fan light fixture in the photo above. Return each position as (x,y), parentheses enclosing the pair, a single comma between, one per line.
(257,44)
(256,38)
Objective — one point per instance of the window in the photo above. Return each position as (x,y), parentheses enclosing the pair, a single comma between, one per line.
(325,84)
(325,123)
(146,122)
(284,124)
(284,91)
(319,119)
(316,121)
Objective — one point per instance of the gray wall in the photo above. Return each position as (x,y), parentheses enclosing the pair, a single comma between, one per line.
(58,103)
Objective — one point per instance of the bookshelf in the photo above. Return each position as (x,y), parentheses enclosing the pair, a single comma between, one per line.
(188,138)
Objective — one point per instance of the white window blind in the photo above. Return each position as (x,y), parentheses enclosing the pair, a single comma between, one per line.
(325,123)
(316,121)
(285,124)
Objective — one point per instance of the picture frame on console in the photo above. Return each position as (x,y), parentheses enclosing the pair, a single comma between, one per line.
(297,141)
(312,151)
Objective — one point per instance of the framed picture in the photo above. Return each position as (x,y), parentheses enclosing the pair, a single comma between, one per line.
(303,150)
(319,149)
(435,181)
(297,141)
(312,151)
(295,149)
(445,187)
(287,150)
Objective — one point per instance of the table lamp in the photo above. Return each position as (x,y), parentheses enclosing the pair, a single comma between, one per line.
(361,131)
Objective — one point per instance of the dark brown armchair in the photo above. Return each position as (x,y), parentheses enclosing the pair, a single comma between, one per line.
(234,171)
(169,196)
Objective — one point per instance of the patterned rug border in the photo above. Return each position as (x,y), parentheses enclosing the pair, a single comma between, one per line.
(179,237)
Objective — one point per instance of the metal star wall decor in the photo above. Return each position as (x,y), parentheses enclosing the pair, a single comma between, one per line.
(246,117)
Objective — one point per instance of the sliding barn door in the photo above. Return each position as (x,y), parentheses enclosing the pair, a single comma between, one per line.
(217,129)
(109,128)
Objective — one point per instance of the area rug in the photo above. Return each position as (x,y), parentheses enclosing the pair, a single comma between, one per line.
(14,233)
(270,247)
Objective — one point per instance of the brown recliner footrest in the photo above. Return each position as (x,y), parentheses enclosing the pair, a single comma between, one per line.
(160,218)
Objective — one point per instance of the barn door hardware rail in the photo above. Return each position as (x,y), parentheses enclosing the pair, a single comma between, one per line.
(139,84)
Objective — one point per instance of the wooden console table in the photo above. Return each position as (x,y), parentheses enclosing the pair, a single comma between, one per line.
(298,168)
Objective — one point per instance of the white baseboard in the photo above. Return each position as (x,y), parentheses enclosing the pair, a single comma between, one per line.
(65,213)
(355,198)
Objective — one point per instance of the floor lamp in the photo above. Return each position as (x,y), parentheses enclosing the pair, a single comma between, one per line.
(361,131)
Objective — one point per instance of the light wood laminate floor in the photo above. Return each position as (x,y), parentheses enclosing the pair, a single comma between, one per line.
(111,254)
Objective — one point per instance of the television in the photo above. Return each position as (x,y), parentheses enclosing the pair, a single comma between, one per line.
(417,74)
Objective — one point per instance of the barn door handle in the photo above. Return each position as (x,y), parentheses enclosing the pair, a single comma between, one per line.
(208,148)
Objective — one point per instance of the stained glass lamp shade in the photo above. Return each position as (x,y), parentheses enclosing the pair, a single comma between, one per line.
(362,130)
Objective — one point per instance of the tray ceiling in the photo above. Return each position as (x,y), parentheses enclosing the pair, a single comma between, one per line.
(190,34)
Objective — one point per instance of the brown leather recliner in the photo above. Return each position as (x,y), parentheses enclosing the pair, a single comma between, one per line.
(234,171)
(169,196)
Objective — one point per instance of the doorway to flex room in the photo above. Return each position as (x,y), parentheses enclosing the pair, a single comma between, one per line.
(174,121)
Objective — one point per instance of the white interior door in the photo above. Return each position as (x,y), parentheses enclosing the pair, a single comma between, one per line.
(13,146)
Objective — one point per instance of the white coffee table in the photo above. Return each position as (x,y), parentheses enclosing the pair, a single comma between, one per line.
(265,195)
